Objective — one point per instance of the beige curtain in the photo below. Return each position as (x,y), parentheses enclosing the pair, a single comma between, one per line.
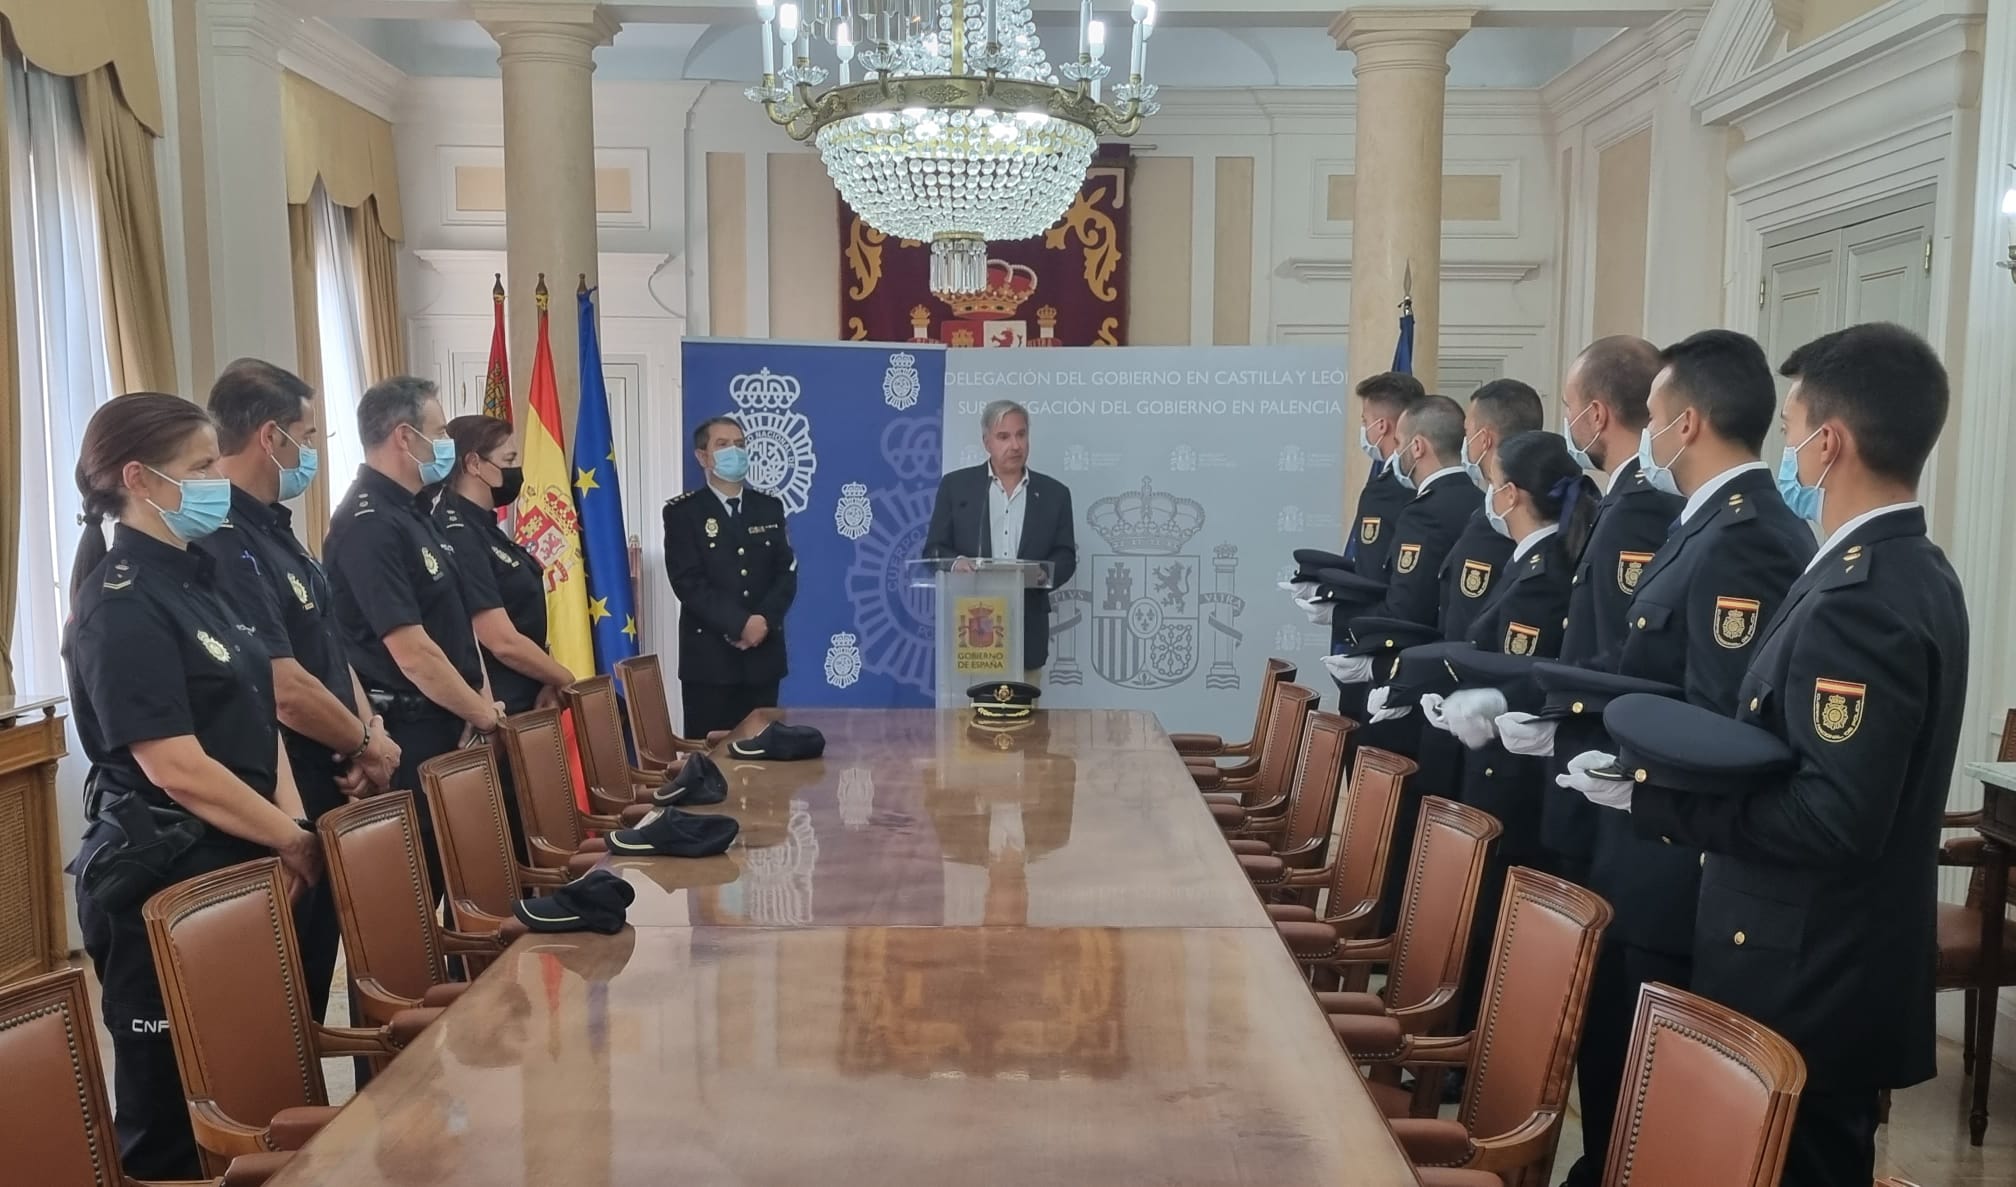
(10,422)
(348,148)
(75,37)
(137,332)
(378,281)
(308,359)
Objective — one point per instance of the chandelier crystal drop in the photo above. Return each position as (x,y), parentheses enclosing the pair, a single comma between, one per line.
(960,131)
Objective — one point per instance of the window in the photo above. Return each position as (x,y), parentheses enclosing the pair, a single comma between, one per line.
(338,311)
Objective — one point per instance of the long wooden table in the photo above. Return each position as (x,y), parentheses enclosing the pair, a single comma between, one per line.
(935,955)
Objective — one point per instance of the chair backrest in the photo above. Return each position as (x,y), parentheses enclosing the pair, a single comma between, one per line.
(1277,673)
(537,751)
(1319,776)
(2006,752)
(1282,744)
(56,1128)
(649,710)
(1364,843)
(598,734)
(472,830)
(1708,1096)
(1439,902)
(230,972)
(1529,1021)
(384,899)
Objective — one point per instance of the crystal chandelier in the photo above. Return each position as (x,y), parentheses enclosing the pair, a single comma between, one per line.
(959,132)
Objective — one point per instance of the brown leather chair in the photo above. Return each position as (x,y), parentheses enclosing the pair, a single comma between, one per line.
(613,784)
(1959,935)
(249,1050)
(485,878)
(1280,748)
(1208,749)
(650,714)
(396,951)
(1520,1058)
(555,827)
(1425,955)
(56,1130)
(1355,877)
(1296,828)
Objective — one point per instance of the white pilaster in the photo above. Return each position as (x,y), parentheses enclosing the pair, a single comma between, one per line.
(252,290)
(1688,198)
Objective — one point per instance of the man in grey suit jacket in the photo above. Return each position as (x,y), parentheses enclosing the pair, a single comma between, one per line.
(1004,509)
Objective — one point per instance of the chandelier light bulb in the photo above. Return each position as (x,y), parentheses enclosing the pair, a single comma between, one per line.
(787,23)
(1142,10)
(915,113)
(2009,201)
(1097,36)
(766,11)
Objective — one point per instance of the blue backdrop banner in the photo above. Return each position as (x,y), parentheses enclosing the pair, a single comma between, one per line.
(850,437)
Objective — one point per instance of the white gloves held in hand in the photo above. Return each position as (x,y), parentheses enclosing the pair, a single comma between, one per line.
(1610,793)
(1470,713)
(1348,669)
(1526,735)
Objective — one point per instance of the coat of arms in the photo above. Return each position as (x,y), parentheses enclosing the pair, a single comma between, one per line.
(854,515)
(900,383)
(1145,595)
(843,661)
(781,458)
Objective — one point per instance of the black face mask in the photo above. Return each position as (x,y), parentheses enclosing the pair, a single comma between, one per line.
(514,482)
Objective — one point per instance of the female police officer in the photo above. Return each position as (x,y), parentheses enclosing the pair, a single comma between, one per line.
(173,697)
(503,585)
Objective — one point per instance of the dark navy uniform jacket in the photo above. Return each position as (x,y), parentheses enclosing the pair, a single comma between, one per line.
(1701,605)
(1819,896)
(723,569)
(496,573)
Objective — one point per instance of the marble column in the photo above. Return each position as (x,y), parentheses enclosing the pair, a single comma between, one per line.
(549,169)
(1396,221)
(250,265)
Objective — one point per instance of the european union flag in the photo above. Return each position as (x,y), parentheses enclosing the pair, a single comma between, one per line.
(598,499)
(1403,350)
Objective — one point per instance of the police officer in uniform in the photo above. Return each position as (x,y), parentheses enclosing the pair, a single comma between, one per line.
(1382,400)
(334,744)
(173,697)
(399,598)
(1817,898)
(503,585)
(1700,605)
(729,559)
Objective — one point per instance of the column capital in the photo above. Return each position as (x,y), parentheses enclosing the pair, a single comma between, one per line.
(556,30)
(256,29)
(1401,38)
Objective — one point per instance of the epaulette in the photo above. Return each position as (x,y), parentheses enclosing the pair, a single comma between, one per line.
(121,576)
(1850,568)
(1738,509)
(1536,562)
(677,499)
(363,507)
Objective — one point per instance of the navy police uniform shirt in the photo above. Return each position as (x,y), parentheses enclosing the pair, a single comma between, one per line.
(155,651)
(496,573)
(723,569)
(1371,539)
(1818,895)
(1701,604)
(390,568)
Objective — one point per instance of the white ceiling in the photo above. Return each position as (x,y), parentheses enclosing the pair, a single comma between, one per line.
(1182,57)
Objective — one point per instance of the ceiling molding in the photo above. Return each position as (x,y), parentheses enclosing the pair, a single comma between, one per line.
(1890,41)
(1624,68)
(1325,271)
(332,61)
(1733,42)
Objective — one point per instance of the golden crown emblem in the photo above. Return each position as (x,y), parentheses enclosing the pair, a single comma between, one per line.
(1008,286)
(1146,522)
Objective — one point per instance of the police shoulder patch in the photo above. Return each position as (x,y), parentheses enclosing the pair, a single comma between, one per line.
(1521,639)
(1837,709)
(1735,621)
(1368,529)
(1410,555)
(1631,567)
(1476,578)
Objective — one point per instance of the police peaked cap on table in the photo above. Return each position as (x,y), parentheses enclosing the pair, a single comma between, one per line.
(669,832)
(1571,691)
(780,742)
(596,902)
(698,783)
(1377,636)
(1681,747)
(1003,700)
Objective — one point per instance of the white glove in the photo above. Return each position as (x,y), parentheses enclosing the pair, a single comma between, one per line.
(1527,735)
(1431,710)
(1376,704)
(1609,793)
(1349,669)
(1469,712)
(1318,612)
(1301,589)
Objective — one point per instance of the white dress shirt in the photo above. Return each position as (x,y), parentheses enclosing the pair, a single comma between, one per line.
(1532,541)
(1005,511)
(1840,535)
(1713,486)
(1421,488)
(740,505)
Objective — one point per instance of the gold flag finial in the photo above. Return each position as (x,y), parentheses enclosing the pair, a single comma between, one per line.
(540,293)
(497,289)
(582,286)
(1407,288)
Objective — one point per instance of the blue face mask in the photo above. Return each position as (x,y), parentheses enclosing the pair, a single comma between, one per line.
(1473,466)
(1498,523)
(295,478)
(1575,451)
(442,464)
(206,503)
(731,463)
(1366,446)
(1661,477)
(1404,473)
(1805,501)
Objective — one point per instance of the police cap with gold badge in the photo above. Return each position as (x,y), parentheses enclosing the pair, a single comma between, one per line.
(1681,747)
(1418,671)
(1373,635)
(1309,560)
(1571,691)
(1003,701)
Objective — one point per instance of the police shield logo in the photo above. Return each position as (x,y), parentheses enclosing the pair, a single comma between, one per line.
(1145,597)
(1410,555)
(1735,622)
(218,651)
(1476,578)
(1837,709)
(1521,639)
(300,591)
(1368,529)
(1631,567)
(713,527)
(781,458)
(504,556)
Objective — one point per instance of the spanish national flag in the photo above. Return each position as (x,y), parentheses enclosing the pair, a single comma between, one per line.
(547,524)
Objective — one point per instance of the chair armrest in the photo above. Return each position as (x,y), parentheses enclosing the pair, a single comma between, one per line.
(374,1043)
(252,1170)
(474,919)
(440,997)
(582,863)
(408,1025)
(1304,856)
(1423,1015)
(1525,1146)
(376,1003)
(546,855)
(1198,745)
(1365,951)
(1433,1142)
(650,775)
(597,823)
(535,878)
(1971,819)
(1308,877)
(222,1134)
(479,943)
(1207,780)
(1962,852)
(1435,1051)
(291,1128)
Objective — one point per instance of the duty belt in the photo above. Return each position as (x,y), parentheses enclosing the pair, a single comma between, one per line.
(403,706)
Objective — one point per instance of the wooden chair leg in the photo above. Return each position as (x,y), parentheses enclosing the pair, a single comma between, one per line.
(1967,1033)
(1883,1108)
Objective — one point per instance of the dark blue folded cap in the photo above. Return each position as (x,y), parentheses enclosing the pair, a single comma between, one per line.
(1342,585)
(698,782)
(596,901)
(784,743)
(1373,635)
(1311,559)
(1477,669)
(1671,744)
(1571,691)
(1417,671)
(672,833)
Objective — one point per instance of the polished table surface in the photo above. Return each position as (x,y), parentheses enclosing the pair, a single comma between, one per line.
(934,956)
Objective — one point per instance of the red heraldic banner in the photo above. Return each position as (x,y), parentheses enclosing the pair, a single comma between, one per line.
(1066,287)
